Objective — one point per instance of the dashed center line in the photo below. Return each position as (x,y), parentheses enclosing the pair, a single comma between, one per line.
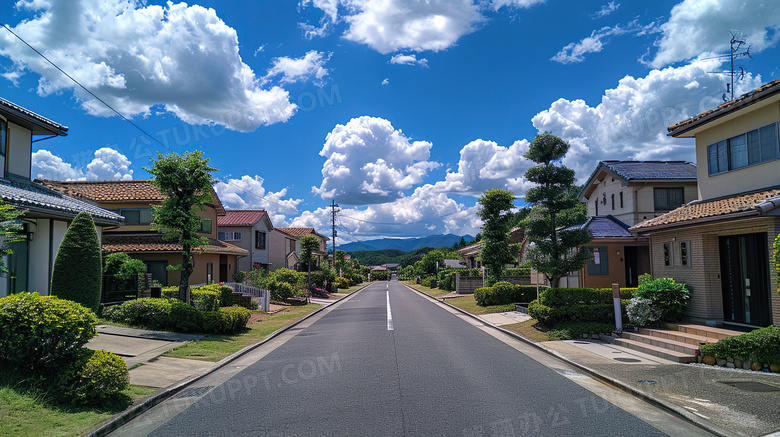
(389,313)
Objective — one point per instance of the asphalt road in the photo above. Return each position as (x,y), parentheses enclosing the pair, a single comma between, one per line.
(426,372)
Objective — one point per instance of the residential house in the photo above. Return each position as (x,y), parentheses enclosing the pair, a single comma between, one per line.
(248,229)
(215,262)
(470,254)
(47,213)
(721,244)
(618,195)
(285,247)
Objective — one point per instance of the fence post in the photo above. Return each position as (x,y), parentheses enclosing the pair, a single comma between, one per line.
(618,312)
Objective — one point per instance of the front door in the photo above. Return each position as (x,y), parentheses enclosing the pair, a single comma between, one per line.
(744,267)
(632,266)
(18,265)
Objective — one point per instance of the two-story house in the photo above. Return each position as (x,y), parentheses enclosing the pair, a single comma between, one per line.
(721,244)
(47,213)
(248,229)
(215,262)
(618,195)
(285,247)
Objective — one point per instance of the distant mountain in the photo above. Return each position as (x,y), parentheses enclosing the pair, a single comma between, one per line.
(406,244)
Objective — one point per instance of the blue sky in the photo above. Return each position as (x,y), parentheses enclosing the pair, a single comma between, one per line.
(404,111)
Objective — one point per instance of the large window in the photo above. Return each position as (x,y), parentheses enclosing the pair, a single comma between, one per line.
(260,240)
(137,216)
(3,136)
(667,199)
(754,147)
(229,236)
(205,226)
(598,264)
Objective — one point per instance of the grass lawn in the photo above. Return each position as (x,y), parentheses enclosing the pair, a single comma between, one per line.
(528,330)
(216,347)
(435,292)
(24,414)
(468,304)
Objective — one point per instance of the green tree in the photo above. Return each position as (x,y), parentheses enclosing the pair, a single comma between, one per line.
(309,244)
(186,181)
(497,219)
(78,269)
(557,247)
(121,265)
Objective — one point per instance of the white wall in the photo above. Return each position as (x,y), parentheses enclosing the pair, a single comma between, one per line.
(19,151)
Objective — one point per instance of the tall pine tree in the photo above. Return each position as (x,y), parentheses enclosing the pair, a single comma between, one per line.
(497,217)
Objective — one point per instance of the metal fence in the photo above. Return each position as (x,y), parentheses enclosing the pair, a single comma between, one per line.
(263,296)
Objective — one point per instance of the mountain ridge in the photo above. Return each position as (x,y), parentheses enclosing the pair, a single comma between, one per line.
(406,244)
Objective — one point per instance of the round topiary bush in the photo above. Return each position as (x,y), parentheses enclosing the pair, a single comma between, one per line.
(39,334)
(282,291)
(78,272)
(96,378)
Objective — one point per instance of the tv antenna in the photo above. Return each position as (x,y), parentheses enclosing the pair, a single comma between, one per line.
(738,50)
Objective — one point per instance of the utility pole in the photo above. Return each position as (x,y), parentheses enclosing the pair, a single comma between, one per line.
(333,210)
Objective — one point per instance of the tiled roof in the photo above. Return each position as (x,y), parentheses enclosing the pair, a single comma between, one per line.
(24,194)
(299,232)
(630,170)
(755,203)
(605,227)
(117,191)
(154,242)
(763,92)
(38,124)
(241,217)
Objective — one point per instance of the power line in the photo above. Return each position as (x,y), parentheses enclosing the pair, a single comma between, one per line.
(401,224)
(85,88)
(355,238)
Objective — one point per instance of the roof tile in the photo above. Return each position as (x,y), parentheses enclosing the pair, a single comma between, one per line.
(154,242)
(241,217)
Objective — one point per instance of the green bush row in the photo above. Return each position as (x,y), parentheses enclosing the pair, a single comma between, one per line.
(502,293)
(202,299)
(574,330)
(761,345)
(175,315)
(556,305)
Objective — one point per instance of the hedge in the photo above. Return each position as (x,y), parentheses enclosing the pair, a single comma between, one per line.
(175,315)
(95,379)
(502,293)
(761,345)
(556,305)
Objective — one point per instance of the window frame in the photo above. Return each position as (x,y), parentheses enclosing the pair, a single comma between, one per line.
(668,251)
(668,190)
(141,212)
(203,221)
(722,153)
(3,137)
(685,253)
(264,240)
(602,267)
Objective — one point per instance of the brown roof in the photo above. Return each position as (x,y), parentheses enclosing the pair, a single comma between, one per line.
(116,191)
(761,93)
(299,232)
(154,242)
(241,217)
(726,208)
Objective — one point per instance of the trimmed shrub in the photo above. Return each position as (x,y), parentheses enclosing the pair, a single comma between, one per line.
(170,314)
(96,378)
(643,311)
(281,291)
(289,276)
(429,282)
(556,305)
(226,320)
(40,333)
(205,299)
(78,270)
(761,345)
(670,296)
(502,293)
(574,330)
(342,282)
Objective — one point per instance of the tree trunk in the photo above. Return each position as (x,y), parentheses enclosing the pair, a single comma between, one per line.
(554,282)
(186,271)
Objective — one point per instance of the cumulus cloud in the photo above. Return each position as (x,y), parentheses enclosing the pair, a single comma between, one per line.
(630,121)
(400,59)
(697,26)
(369,161)
(498,4)
(575,52)
(484,165)
(109,165)
(311,65)
(605,10)
(183,59)
(386,82)
(248,192)
(46,165)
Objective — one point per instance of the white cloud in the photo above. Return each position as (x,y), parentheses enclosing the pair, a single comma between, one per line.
(181,58)
(109,165)
(400,59)
(46,165)
(605,10)
(391,25)
(630,121)
(498,4)
(697,26)
(311,65)
(248,193)
(386,82)
(369,161)
(575,52)
(485,165)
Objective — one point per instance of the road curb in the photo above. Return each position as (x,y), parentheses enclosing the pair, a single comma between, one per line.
(667,406)
(126,416)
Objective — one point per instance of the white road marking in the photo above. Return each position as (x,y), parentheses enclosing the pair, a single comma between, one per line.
(389,313)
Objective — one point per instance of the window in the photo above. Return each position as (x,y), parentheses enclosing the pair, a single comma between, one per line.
(3,136)
(754,147)
(621,199)
(205,226)
(137,216)
(667,199)
(684,259)
(260,240)
(668,255)
(229,236)
(292,245)
(209,273)
(598,264)
(597,206)
(613,201)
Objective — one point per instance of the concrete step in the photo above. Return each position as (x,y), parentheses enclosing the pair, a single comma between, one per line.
(673,345)
(656,351)
(708,331)
(682,337)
